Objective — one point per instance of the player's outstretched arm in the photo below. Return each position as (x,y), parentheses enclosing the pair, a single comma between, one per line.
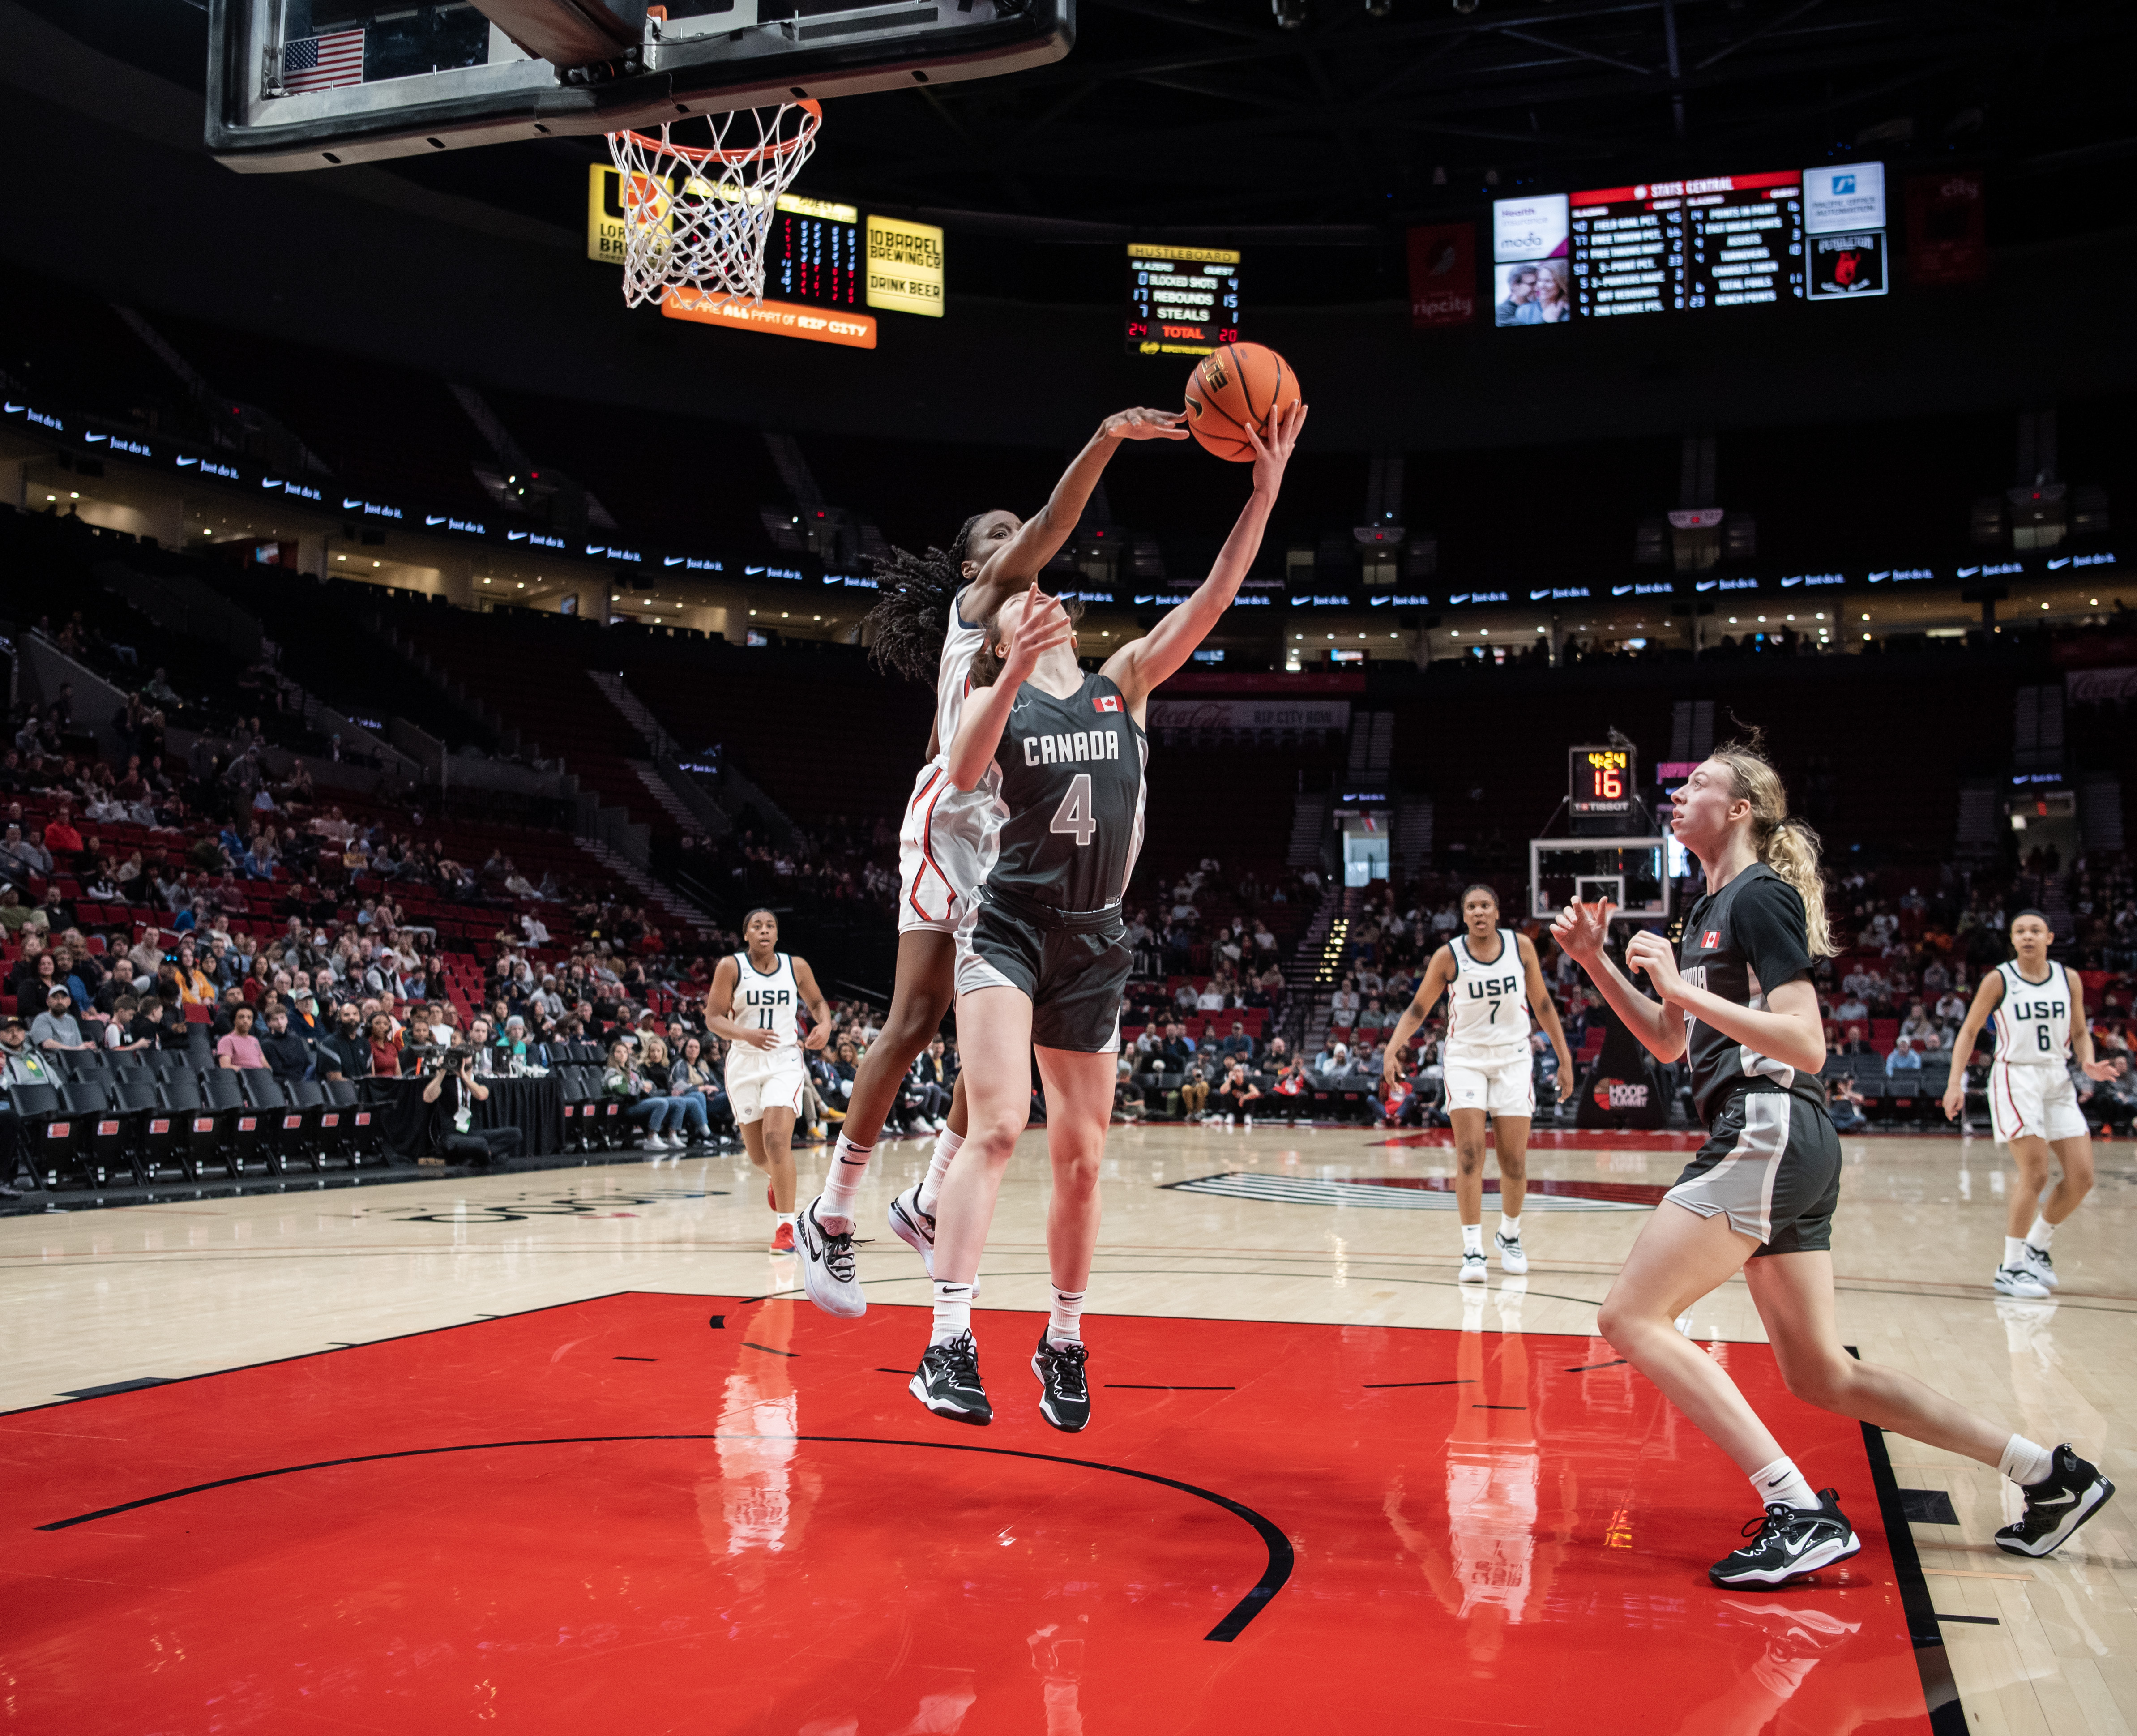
(1141,664)
(1438,975)
(1582,930)
(1043,626)
(1986,1000)
(1040,537)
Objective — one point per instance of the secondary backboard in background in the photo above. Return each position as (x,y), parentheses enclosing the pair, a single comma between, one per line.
(1628,871)
(311,84)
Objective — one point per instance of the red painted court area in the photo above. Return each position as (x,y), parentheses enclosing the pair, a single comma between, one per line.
(615,1516)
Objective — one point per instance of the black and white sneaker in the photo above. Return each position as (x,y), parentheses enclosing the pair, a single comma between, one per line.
(1473,1269)
(2043,1268)
(1513,1261)
(2070,1494)
(947,1382)
(913,1226)
(828,1273)
(1065,1393)
(2020,1281)
(1787,1543)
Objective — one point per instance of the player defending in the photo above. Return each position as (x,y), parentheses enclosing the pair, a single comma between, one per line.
(1759,1196)
(1492,981)
(755,1003)
(2039,1010)
(1042,960)
(927,625)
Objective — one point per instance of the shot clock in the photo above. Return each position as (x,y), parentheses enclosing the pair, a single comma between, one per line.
(1598,794)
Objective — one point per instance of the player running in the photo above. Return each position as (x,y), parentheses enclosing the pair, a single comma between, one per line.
(927,626)
(2038,1008)
(1492,981)
(755,1001)
(1042,957)
(1759,1195)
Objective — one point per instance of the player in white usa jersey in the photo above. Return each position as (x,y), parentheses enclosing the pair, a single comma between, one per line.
(2038,1011)
(1493,982)
(926,624)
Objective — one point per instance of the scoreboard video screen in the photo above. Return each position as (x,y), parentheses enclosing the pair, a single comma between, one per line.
(1685,247)
(1181,300)
(814,253)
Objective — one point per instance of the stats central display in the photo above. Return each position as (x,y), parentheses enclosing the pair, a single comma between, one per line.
(1731,240)
(1182,301)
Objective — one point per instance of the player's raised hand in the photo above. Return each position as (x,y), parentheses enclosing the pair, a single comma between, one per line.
(1582,930)
(1146,424)
(1273,454)
(1046,625)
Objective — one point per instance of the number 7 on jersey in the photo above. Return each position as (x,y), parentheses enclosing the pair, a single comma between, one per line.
(1074,815)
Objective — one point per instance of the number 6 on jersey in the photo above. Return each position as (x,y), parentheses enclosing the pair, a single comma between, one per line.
(1074,814)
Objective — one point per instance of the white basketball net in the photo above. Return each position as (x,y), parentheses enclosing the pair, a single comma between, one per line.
(696,218)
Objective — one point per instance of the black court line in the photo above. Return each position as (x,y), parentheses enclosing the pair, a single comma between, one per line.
(1939,1691)
(1498,1407)
(767,1350)
(633,1359)
(898,1371)
(1382,1386)
(116,1386)
(1130,1386)
(1980,1621)
(1589,1368)
(606,1295)
(1274,1575)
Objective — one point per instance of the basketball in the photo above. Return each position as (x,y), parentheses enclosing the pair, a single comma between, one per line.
(1235,388)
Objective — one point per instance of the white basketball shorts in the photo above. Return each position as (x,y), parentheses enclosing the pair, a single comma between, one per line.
(776,1085)
(945,846)
(2033,1103)
(1503,1088)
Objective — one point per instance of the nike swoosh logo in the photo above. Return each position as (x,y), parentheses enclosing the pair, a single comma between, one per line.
(2060,1501)
(1620,589)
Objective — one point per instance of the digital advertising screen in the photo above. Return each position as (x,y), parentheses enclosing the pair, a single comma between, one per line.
(1181,300)
(814,253)
(1531,275)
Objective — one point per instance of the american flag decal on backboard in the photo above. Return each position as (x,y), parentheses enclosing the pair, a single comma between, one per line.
(320,63)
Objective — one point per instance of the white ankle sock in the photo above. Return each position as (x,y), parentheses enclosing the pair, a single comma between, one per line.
(938,1166)
(2041,1234)
(1472,1238)
(1781,1482)
(953,1311)
(1510,1227)
(787,1218)
(2014,1250)
(1065,1324)
(2025,1461)
(849,1167)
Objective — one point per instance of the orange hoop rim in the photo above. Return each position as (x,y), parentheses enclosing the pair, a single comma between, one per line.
(761,152)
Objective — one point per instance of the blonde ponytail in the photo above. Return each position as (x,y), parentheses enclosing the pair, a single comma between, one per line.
(1789,847)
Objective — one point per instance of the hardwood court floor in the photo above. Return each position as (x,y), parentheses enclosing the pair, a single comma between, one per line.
(1419,1529)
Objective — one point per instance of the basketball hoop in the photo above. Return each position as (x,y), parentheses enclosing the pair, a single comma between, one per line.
(696,218)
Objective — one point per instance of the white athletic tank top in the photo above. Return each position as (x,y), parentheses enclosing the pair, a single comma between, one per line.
(1487,1018)
(2033,1022)
(961,645)
(769,1001)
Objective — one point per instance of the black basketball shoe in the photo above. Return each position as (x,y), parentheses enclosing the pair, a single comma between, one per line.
(1786,1542)
(1064,1394)
(2070,1494)
(947,1382)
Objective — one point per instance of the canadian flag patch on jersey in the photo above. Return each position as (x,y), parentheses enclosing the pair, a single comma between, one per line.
(1107,702)
(1710,940)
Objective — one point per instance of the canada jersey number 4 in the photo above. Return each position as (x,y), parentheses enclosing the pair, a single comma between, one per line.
(1074,816)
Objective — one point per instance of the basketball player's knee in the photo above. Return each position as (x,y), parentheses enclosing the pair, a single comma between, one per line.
(1820,1378)
(993,1134)
(1513,1165)
(1616,1324)
(1076,1175)
(1469,1159)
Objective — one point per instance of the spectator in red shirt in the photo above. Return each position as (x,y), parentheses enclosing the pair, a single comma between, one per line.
(61,838)
(240,1048)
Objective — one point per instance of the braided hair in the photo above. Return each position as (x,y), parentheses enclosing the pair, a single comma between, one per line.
(911,616)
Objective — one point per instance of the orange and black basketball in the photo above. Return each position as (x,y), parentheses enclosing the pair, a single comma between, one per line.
(1235,388)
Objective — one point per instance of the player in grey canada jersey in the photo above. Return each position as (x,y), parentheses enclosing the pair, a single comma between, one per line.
(1043,958)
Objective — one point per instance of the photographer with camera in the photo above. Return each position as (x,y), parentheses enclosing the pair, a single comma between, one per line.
(453,1091)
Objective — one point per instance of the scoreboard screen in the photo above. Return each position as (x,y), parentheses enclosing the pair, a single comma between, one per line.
(814,253)
(1182,301)
(1600,782)
(1723,242)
